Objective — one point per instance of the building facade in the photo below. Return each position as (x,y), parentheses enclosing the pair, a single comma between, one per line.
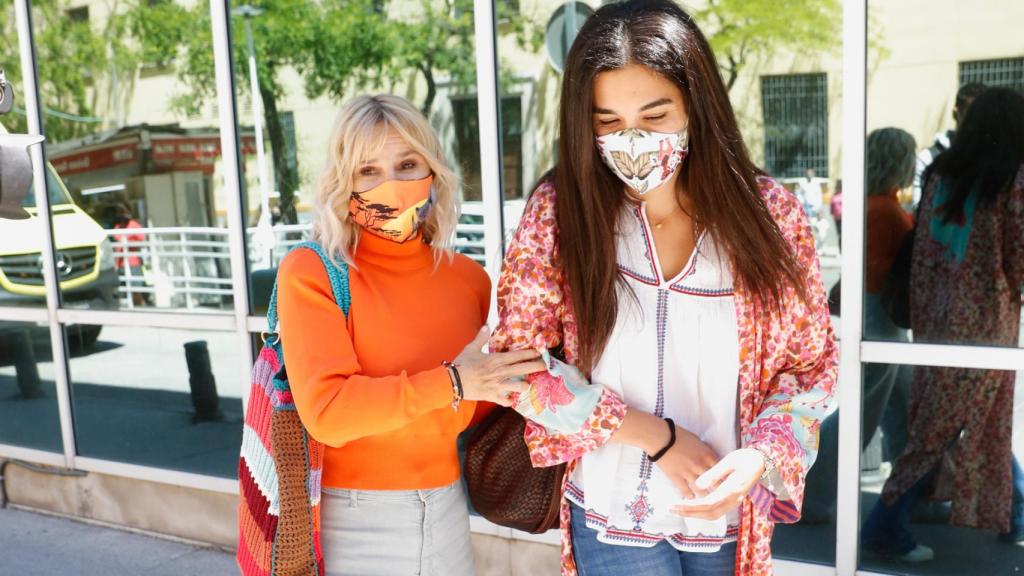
(151,110)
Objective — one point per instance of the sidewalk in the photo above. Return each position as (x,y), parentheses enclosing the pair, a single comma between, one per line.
(37,545)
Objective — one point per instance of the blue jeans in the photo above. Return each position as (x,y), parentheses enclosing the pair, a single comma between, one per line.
(1017,508)
(594,558)
(888,527)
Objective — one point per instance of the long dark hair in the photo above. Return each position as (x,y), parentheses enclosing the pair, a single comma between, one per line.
(718,173)
(987,151)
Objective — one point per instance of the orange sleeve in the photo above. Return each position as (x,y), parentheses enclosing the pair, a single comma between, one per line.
(337,403)
(896,227)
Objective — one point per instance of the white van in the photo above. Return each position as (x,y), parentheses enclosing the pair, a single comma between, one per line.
(85,260)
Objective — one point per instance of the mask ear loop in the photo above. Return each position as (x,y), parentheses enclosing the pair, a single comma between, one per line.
(424,212)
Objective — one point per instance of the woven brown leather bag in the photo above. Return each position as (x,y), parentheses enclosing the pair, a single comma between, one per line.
(504,487)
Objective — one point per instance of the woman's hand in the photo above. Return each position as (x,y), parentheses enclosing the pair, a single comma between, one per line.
(683,463)
(494,377)
(729,482)
(686,461)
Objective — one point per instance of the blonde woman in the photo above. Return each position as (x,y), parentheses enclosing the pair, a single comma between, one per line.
(379,387)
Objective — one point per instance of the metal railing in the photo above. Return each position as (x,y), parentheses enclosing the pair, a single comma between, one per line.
(189,267)
(181,267)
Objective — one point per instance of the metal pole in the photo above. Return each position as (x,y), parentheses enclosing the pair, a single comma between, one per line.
(257,122)
(35,126)
(187,270)
(852,271)
(229,145)
(123,260)
(490,151)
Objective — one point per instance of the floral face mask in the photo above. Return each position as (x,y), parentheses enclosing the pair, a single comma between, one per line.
(643,160)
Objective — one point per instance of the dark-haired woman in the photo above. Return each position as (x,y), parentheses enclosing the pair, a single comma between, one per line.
(967,274)
(683,284)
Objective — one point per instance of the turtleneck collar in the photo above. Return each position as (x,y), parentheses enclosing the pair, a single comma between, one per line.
(409,255)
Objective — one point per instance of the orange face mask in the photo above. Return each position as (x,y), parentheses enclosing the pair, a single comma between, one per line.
(395,209)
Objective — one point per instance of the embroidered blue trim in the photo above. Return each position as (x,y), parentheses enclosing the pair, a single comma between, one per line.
(637,276)
(703,292)
(701,541)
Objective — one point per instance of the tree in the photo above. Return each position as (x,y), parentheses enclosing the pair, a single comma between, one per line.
(78,64)
(741,31)
(336,46)
(332,44)
(441,41)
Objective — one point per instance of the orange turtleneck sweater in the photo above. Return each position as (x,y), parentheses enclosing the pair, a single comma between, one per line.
(371,387)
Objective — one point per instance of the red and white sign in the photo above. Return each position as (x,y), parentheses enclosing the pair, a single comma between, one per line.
(97,159)
(198,153)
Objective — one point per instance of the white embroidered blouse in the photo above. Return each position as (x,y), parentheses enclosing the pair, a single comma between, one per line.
(673,352)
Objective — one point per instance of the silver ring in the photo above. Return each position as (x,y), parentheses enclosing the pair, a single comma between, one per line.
(264,336)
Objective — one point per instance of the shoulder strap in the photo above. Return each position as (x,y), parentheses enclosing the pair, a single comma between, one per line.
(338,276)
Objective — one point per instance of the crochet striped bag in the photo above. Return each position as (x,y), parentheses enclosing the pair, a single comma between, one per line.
(280,466)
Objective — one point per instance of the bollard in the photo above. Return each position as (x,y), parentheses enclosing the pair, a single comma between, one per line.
(25,365)
(200,379)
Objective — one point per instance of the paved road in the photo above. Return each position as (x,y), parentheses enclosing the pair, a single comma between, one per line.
(37,545)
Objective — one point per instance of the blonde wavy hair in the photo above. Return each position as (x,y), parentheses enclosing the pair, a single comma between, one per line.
(360,132)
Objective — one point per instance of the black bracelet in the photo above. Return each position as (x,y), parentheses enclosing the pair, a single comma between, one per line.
(671,441)
(454,370)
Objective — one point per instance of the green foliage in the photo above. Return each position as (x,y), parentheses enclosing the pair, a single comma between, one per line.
(161,28)
(10,61)
(528,33)
(350,48)
(741,31)
(439,41)
(71,56)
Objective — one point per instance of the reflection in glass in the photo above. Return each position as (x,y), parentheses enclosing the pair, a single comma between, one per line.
(28,397)
(296,63)
(956,491)
(21,230)
(533,41)
(890,160)
(159,397)
(968,269)
(930,95)
(134,153)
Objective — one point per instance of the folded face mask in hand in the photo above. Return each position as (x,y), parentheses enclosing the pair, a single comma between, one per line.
(561,399)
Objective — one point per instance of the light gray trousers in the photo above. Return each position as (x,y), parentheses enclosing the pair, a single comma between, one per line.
(396,532)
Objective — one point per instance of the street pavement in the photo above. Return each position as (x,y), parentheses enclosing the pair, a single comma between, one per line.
(39,545)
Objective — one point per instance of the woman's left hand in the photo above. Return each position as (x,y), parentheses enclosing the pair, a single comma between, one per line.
(729,482)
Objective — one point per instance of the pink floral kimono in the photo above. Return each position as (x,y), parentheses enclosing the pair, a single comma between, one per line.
(788,364)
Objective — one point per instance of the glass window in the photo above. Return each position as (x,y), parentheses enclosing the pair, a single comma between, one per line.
(293,74)
(1008,72)
(28,396)
(942,492)
(186,415)
(955,276)
(795,124)
(21,230)
(941,483)
(533,40)
(468,144)
(133,145)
